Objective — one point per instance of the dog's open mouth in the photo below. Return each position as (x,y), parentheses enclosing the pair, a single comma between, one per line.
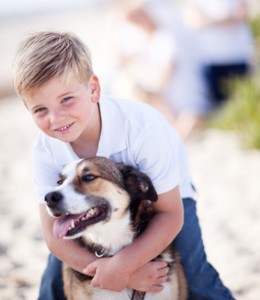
(69,225)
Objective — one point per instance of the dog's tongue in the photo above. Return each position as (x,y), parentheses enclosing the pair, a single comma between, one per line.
(61,225)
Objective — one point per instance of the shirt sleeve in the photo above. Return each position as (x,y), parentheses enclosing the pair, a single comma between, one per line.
(45,173)
(157,156)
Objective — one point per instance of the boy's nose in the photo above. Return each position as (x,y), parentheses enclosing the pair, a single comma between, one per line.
(56,115)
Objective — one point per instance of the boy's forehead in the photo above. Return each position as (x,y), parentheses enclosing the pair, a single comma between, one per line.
(56,86)
(64,81)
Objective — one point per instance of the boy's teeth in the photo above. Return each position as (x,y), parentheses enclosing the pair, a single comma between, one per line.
(63,128)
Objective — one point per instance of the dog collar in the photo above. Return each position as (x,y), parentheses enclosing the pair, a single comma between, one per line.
(137,295)
(100,252)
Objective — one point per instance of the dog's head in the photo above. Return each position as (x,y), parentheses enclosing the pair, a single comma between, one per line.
(96,190)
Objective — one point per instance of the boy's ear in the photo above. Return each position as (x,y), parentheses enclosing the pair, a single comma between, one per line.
(94,86)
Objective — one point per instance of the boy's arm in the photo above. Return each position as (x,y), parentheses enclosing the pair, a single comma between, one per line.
(161,231)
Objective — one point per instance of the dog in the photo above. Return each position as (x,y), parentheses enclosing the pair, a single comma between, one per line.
(104,206)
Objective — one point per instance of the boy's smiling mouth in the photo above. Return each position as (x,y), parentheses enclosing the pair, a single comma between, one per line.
(64,128)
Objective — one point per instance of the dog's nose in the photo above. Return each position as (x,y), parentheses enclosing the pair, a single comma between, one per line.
(53,198)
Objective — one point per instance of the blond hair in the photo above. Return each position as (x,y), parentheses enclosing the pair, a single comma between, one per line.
(46,55)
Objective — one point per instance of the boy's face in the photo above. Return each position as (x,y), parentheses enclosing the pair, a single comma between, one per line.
(65,110)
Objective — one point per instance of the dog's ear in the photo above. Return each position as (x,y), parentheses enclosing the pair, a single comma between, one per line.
(137,184)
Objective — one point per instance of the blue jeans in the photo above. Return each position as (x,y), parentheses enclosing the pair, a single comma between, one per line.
(203,280)
(218,79)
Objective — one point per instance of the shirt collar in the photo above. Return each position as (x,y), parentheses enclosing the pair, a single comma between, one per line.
(113,128)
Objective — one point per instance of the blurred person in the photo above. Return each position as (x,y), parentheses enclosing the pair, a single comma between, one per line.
(225,40)
(156,61)
(145,57)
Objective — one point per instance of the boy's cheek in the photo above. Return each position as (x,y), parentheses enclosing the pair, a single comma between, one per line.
(38,123)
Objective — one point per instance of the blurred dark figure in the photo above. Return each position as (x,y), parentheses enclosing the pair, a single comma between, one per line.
(225,40)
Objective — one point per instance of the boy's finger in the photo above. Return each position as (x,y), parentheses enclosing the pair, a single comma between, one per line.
(160,264)
(90,270)
(155,289)
(94,283)
(163,271)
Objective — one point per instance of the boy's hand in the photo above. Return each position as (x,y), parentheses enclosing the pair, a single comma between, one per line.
(108,274)
(150,277)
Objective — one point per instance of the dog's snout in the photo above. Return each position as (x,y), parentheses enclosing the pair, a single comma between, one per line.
(53,198)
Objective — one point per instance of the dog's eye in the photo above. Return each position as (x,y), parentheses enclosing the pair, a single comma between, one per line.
(88,177)
(59,182)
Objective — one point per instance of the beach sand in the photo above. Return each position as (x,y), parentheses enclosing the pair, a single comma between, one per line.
(226,176)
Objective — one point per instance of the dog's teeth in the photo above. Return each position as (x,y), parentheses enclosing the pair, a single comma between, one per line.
(72,224)
(89,214)
(92,212)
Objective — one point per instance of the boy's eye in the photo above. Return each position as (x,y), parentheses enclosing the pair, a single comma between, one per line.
(66,99)
(39,110)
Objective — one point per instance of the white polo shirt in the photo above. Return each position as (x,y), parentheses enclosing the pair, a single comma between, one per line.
(133,133)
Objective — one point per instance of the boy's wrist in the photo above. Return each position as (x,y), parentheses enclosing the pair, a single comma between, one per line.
(125,262)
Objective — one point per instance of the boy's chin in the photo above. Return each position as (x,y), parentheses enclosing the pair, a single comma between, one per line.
(64,138)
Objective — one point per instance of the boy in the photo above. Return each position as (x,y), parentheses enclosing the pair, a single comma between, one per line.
(53,74)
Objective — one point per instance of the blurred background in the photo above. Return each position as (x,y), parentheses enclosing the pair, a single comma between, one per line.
(195,61)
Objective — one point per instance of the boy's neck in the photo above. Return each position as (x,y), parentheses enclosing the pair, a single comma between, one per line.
(86,151)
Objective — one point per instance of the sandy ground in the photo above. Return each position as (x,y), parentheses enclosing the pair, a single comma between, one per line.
(226,175)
